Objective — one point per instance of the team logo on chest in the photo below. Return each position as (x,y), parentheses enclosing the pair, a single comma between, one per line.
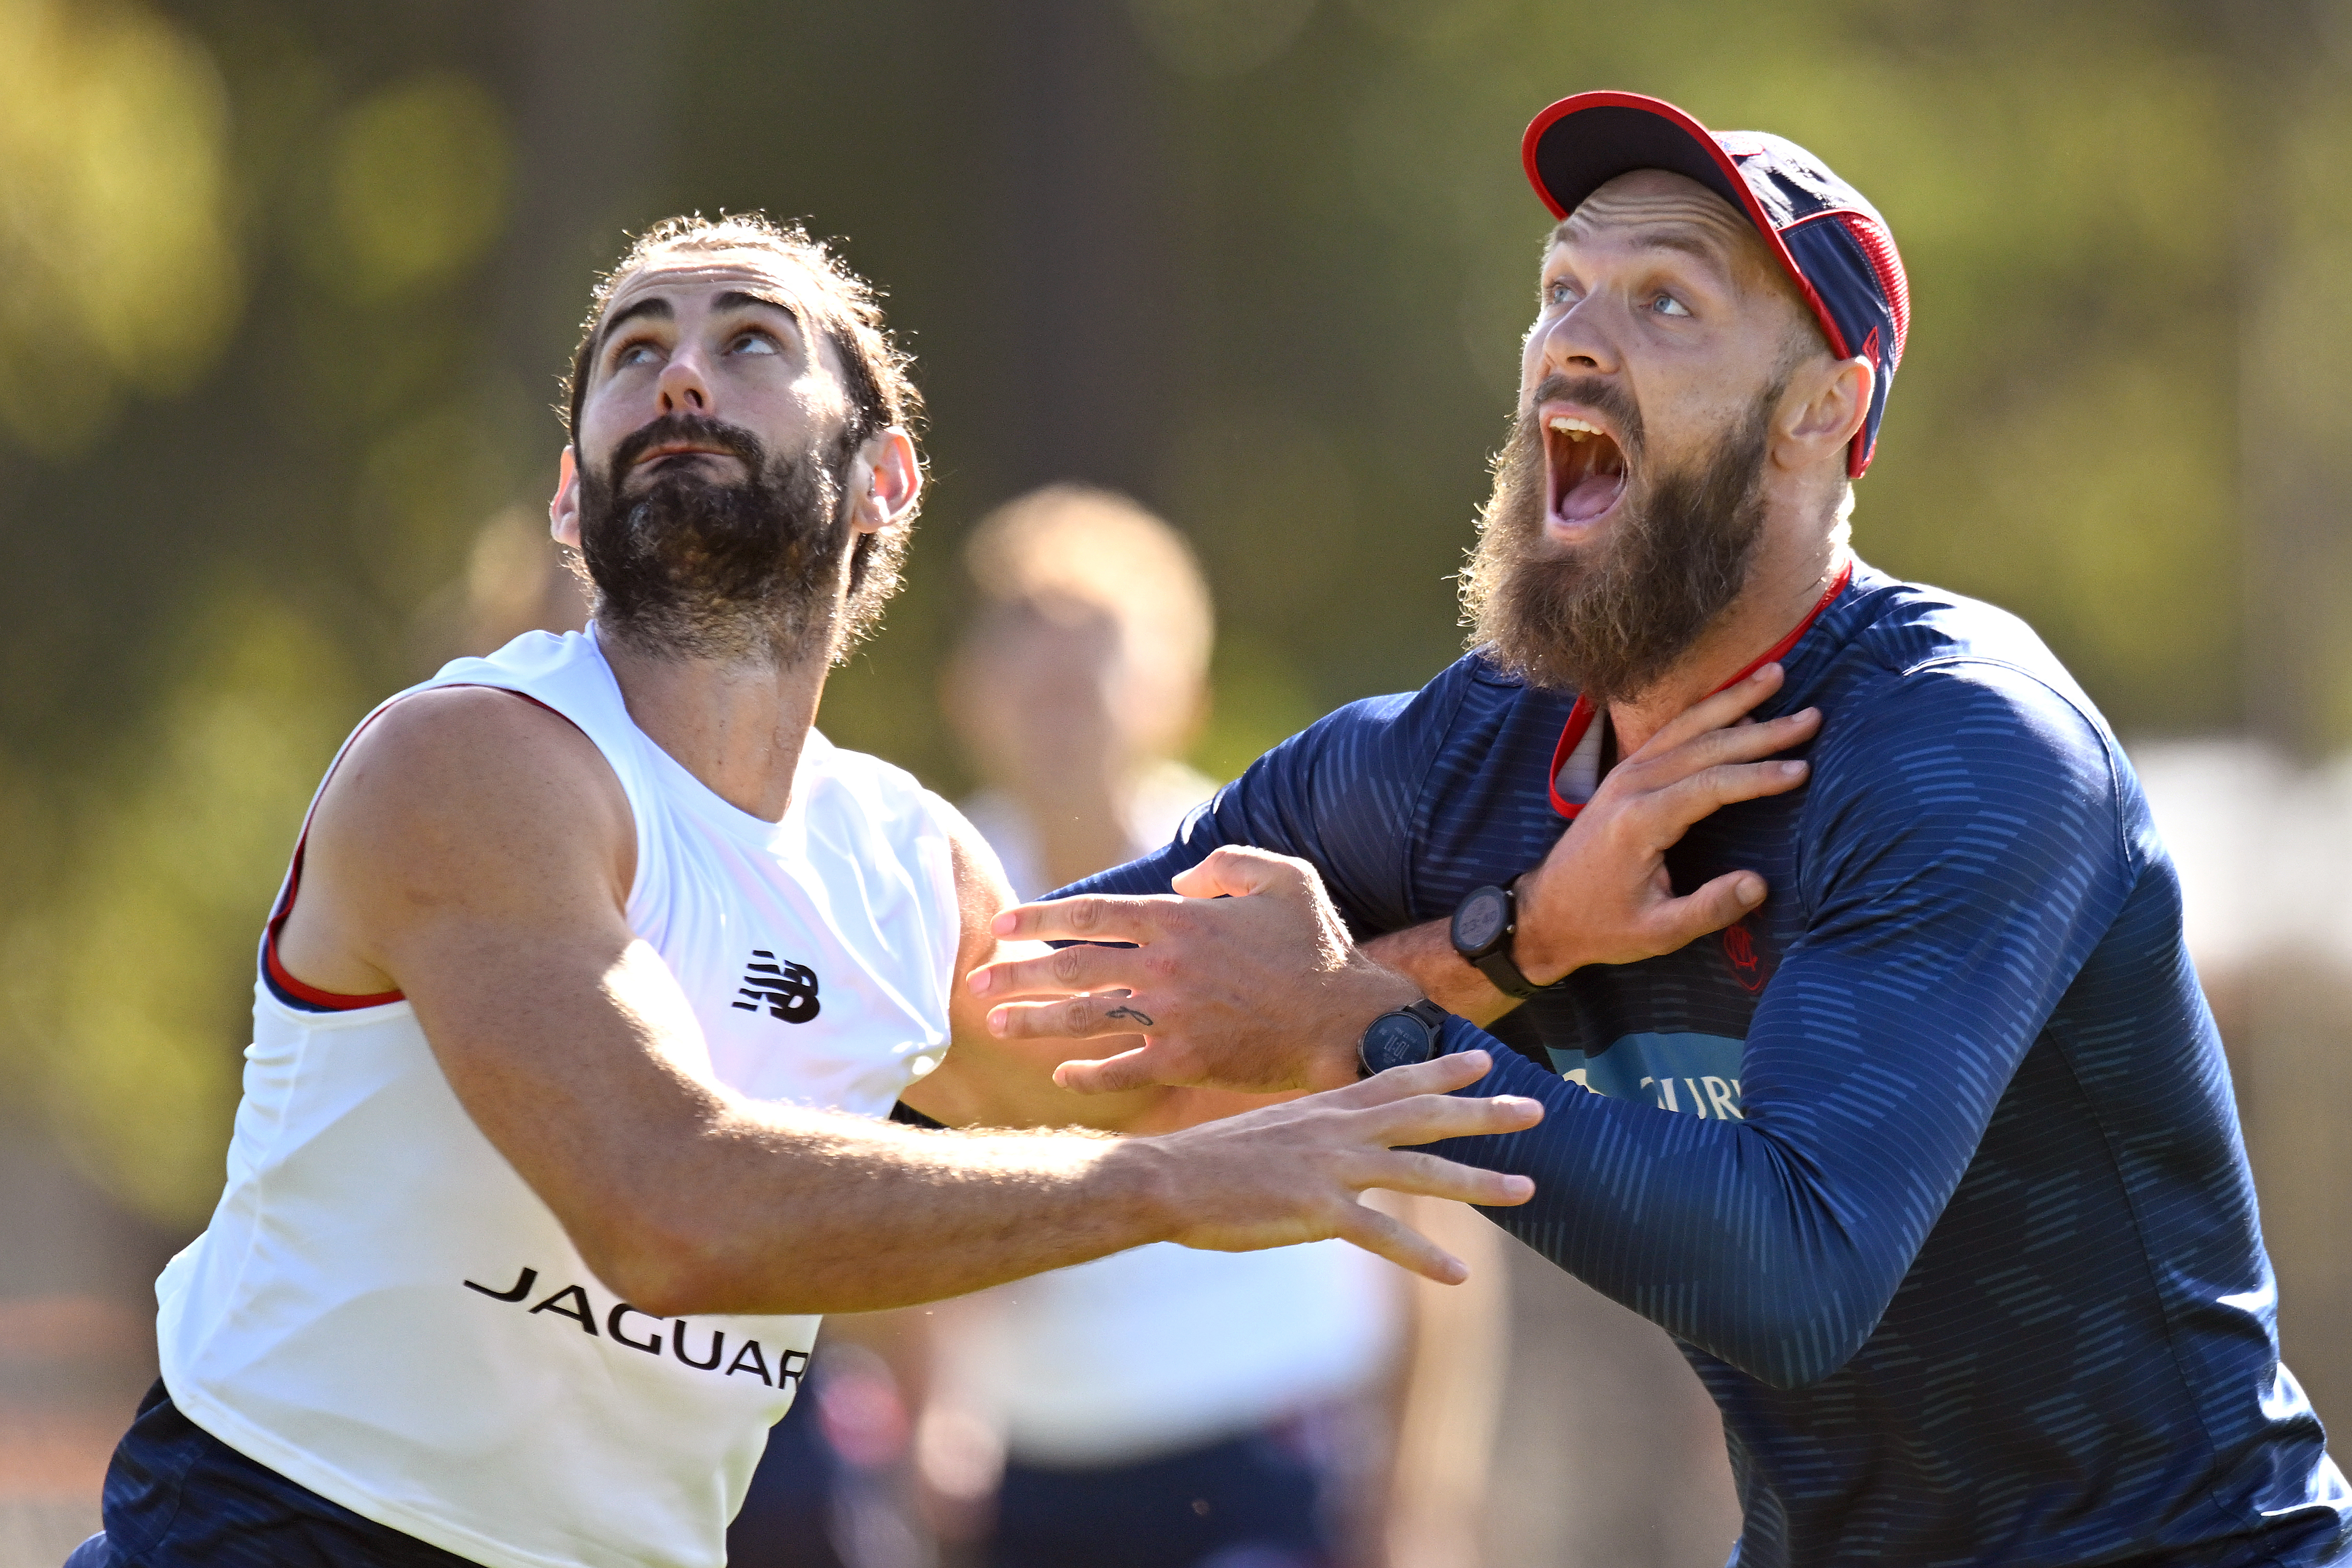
(788,990)
(1748,965)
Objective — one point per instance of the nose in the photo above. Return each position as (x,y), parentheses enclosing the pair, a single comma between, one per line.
(683,387)
(1577,341)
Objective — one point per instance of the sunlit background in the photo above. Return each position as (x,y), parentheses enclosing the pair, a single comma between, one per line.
(285,287)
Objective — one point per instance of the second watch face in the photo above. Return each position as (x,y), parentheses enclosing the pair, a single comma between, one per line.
(1480,920)
(1396,1039)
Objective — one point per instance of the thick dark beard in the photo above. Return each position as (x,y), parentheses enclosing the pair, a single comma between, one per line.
(1608,626)
(748,572)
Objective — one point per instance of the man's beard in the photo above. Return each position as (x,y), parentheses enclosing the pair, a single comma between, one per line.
(1608,623)
(747,572)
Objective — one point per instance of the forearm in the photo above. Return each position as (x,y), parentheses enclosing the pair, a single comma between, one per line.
(775,1210)
(1714,1230)
(1425,955)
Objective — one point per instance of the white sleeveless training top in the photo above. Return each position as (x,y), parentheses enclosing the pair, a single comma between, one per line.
(384,1311)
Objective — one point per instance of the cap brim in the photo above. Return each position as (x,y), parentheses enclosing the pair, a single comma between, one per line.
(1583,142)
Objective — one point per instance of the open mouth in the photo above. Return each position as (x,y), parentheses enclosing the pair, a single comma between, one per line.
(1585,468)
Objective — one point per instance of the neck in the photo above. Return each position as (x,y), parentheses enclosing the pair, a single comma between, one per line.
(1787,579)
(738,727)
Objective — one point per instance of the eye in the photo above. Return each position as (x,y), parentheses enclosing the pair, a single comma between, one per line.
(1559,291)
(1668,305)
(635,353)
(754,343)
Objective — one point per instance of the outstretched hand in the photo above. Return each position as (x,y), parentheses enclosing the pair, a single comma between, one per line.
(1245,978)
(1292,1172)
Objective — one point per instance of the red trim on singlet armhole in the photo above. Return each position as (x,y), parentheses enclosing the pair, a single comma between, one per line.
(280,975)
(1580,716)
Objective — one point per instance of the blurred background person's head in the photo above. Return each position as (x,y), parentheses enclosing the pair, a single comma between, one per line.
(1080,681)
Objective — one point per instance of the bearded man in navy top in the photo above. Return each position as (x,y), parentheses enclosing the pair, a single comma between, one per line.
(1928,1162)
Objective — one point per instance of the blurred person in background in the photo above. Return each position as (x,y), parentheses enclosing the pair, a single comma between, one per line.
(1275,1439)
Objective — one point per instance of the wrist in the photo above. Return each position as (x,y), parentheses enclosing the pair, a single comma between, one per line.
(1543,956)
(1375,990)
(1135,1184)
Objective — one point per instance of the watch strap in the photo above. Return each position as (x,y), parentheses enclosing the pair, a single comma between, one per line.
(1429,1013)
(1504,975)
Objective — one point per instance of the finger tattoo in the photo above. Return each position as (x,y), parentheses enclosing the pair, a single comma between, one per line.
(1130,1013)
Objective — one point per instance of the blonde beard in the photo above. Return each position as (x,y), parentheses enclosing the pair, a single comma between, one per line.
(1610,626)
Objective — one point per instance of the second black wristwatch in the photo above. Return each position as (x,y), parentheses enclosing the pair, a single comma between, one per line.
(1484,924)
(1400,1038)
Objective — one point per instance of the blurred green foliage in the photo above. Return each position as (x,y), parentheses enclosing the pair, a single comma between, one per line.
(291,282)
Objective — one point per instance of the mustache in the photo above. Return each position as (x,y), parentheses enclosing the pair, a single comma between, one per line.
(702,429)
(1594,392)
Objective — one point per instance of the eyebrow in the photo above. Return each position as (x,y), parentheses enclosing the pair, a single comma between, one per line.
(743,299)
(657,308)
(1686,240)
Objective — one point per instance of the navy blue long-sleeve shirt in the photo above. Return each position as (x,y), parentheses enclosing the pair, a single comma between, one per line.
(1929,1165)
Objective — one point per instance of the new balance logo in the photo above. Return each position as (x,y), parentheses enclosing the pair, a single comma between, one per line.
(788,990)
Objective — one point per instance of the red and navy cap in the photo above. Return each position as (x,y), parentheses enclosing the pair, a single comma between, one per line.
(1834,245)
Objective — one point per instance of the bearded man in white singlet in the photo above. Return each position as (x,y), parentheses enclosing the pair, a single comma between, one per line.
(580,1017)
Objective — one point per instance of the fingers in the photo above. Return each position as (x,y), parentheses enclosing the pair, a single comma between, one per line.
(1095,918)
(1058,973)
(1428,1176)
(1668,813)
(1237,870)
(1153,1062)
(1073,1017)
(1681,921)
(1401,1245)
(1438,1075)
(1428,1118)
(1747,741)
(1713,712)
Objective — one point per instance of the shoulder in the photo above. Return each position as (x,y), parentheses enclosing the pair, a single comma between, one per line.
(1399,735)
(467,786)
(1982,744)
(1918,657)
(474,743)
(1899,628)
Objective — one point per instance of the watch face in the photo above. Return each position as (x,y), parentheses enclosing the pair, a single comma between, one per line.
(1396,1039)
(1480,920)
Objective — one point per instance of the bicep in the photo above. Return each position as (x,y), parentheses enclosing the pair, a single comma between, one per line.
(1970,860)
(477,852)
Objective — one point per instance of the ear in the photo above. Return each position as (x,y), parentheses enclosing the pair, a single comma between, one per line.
(885,479)
(1827,402)
(563,509)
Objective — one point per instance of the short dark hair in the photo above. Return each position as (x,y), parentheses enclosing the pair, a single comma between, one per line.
(848,309)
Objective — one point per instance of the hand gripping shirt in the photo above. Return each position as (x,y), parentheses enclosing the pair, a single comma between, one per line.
(1929,1165)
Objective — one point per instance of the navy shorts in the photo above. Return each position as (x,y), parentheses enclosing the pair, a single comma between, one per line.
(1246,1502)
(178,1496)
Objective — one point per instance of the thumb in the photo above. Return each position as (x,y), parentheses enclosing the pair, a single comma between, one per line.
(1712,907)
(1235,872)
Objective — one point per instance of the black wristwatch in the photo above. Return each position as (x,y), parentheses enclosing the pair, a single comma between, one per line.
(1484,924)
(1400,1038)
